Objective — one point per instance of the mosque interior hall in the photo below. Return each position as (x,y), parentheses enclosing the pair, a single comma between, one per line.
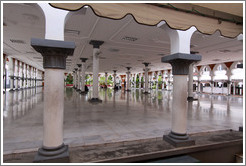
(122,83)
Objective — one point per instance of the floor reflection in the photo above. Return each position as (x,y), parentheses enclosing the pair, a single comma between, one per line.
(19,103)
(121,116)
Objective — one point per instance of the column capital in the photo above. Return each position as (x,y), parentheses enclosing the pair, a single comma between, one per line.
(180,62)
(128,68)
(54,52)
(146,64)
(96,43)
(83,59)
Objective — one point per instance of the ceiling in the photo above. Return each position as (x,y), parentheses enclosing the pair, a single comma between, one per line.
(127,43)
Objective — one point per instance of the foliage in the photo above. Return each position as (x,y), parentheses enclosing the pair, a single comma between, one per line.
(69,79)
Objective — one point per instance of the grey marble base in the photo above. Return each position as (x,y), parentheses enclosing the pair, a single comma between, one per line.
(178,140)
(58,155)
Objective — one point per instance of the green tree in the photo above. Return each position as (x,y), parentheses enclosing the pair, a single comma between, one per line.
(69,79)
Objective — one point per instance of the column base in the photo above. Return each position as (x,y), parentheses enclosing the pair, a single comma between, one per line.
(241,128)
(77,90)
(145,92)
(116,88)
(52,155)
(178,140)
(11,90)
(191,99)
(95,100)
(128,90)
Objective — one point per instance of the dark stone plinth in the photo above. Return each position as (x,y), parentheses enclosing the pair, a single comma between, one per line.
(96,43)
(240,66)
(11,90)
(178,140)
(180,62)
(54,52)
(241,128)
(52,155)
(191,99)
(95,100)
(146,93)
(12,77)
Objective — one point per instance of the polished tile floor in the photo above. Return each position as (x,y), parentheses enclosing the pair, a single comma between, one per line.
(121,116)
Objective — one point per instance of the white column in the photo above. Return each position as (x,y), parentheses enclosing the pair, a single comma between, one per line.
(179,118)
(53,119)
(16,74)
(128,86)
(79,77)
(54,89)
(212,82)
(146,74)
(168,80)
(234,88)
(114,78)
(162,80)
(180,59)
(95,72)
(157,85)
(11,73)
(190,83)
(28,76)
(96,45)
(140,79)
(83,74)
(76,78)
(199,83)
(229,81)
(24,75)
(21,74)
(106,79)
